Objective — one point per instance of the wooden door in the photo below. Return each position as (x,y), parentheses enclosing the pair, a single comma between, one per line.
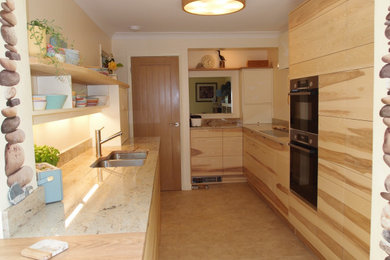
(156,104)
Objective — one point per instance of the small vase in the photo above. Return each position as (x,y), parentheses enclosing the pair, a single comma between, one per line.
(114,76)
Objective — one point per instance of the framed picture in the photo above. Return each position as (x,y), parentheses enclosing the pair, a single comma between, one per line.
(205,92)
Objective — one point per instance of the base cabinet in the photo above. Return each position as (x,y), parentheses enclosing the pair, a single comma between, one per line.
(152,240)
(216,152)
(266,165)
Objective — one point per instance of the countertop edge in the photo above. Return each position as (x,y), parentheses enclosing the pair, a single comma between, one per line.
(102,246)
(257,130)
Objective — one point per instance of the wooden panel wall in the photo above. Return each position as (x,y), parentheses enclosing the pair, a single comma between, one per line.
(334,39)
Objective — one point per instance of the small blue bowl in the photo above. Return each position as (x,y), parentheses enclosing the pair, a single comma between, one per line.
(55,101)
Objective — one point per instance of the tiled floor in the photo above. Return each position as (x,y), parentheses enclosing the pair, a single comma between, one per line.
(224,222)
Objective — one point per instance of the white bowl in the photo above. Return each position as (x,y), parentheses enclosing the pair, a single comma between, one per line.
(102,99)
(39,105)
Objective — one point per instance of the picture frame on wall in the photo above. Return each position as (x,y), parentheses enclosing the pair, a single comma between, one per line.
(205,92)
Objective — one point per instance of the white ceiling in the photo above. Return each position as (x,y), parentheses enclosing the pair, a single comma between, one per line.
(167,16)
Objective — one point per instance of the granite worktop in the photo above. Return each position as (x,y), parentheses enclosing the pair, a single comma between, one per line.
(267,131)
(119,204)
(215,127)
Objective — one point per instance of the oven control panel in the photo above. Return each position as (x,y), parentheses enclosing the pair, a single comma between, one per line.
(304,83)
(304,137)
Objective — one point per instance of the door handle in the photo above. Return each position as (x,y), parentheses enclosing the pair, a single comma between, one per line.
(305,93)
(176,124)
(301,148)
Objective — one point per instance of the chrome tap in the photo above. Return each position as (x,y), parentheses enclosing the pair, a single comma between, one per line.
(99,141)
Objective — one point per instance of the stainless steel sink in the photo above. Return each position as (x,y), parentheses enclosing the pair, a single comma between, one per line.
(120,155)
(117,163)
(120,159)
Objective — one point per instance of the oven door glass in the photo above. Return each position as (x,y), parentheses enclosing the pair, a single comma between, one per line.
(304,111)
(304,172)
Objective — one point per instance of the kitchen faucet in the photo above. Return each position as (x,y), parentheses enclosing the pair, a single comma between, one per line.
(99,142)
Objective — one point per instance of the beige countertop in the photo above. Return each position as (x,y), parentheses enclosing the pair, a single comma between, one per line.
(120,203)
(215,127)
(266,131)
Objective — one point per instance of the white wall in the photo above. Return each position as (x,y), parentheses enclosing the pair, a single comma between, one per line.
(126,46)
(62,134)
(24,109)
(379,169)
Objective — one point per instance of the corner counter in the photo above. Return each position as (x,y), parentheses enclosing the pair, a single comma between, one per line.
(120,219)
(263,130)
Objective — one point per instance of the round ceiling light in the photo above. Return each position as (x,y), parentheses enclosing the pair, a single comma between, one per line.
(212,7)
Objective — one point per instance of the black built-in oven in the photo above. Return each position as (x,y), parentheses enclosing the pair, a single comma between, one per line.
(304,165)
(304,104)
(303,138)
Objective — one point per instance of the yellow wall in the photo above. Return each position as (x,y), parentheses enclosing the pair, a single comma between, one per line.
(203,107)
(76,25)
(235,58)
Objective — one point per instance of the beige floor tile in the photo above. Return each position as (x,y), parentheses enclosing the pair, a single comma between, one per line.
(227,221)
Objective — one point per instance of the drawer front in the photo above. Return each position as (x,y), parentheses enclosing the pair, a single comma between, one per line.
(232,165)
(206,147)
(208,132)
(227,132)
(232,146)
(207,166)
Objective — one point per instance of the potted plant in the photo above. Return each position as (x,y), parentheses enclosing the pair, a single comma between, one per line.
(46,154)
(111,65)
(38,30)
(48,175)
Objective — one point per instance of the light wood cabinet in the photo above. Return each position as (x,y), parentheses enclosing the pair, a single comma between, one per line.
(334,39)
(124,114)
(266,165)
(216,152)
(257,95)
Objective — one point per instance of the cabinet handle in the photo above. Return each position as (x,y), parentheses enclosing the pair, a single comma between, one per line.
(300,148)
(176,124)
(305,93)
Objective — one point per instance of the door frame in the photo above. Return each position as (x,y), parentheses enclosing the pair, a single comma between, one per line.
(184,110)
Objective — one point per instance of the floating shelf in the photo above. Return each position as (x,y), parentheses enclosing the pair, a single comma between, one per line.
(222,69)
(213,69)
(44,116)
(79,74)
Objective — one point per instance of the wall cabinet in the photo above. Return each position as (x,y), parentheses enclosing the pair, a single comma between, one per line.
(266,165)
(216,152)
(257,95)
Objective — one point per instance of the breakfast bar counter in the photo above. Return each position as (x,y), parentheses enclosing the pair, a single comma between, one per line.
(105,211)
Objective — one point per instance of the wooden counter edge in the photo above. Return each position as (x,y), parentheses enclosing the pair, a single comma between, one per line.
(102,246)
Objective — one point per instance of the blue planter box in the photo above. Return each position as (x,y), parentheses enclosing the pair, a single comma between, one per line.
(50,177)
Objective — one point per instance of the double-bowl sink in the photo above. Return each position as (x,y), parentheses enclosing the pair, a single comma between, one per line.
(120,159)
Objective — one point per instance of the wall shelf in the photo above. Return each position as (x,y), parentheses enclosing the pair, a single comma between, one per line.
(79,74)
(213,69)
(223,69)
(44,116)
